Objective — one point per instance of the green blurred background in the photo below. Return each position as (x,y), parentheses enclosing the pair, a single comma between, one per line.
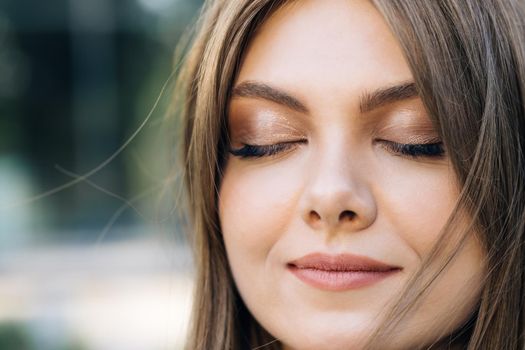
(101,264)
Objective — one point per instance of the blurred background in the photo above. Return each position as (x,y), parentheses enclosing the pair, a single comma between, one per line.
(100,263)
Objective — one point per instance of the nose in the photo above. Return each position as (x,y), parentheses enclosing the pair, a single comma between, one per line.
(337,199)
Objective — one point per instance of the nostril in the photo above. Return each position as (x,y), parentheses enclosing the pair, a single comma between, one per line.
(347,215)
(314,216)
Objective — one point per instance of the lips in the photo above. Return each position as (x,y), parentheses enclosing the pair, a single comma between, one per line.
(340,272)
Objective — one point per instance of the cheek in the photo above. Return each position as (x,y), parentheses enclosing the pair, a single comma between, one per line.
(255,207)
(418,205)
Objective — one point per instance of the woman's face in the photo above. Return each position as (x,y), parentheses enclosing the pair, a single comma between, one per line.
(325,213)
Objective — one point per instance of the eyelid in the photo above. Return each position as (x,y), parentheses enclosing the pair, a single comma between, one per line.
(258,151)
(413,140)
(416,150)
(410,128)
(262,126)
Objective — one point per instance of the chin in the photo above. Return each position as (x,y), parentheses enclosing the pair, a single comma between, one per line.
(326,339)
(324,344)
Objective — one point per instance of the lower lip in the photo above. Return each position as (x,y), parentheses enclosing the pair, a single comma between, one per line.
(339,280)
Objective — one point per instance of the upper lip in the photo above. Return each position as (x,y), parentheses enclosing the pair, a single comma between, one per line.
(341,262)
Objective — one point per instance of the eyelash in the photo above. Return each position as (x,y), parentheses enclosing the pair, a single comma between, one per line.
(256,151)
(421,150)
(417,150)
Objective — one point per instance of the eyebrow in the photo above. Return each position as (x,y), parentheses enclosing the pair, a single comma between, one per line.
(261,90)
(384,96)
(368,101)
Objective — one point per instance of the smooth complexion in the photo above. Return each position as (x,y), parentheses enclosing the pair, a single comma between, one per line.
(321,113)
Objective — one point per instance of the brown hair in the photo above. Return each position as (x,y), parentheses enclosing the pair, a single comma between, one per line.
(468,61)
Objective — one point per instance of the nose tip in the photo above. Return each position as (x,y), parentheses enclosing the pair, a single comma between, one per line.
(342,208)
(338,194)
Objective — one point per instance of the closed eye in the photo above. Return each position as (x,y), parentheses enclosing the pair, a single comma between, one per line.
(415,150)
(258,151)
(419,150)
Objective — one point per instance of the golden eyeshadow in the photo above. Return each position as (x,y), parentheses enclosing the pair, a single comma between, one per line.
(262,126)
(408,133)
(409,124)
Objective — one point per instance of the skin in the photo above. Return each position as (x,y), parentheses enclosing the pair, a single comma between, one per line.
(277,208)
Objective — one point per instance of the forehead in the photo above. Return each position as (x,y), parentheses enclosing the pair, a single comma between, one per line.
(331,49)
